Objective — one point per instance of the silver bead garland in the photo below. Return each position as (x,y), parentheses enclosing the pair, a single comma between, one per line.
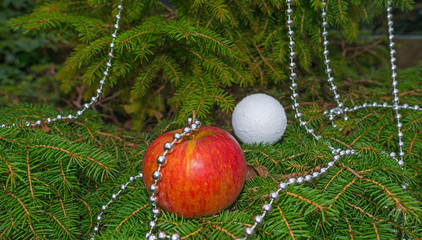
(193,126)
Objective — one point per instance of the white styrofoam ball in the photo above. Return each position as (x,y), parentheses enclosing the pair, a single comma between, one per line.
(259,118)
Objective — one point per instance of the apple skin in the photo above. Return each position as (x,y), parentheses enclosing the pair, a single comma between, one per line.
(202,175)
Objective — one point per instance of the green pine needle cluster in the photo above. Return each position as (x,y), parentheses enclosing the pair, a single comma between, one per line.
(55,178)
(194,50)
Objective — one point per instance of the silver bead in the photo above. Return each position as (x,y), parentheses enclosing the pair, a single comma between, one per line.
(162,235)
(122,187)
(336,157)
(187,130)
(112,46)
(310,130)
(120,7)
(401,163)
(292,54)
(315,174)
(326,52)
(258,219)
(324,34)
(156,211)
(385,104)
(156,175)
(175,236)
(289,23)
(86,105)
(161,160)
(342,153)
(295,95)
(96,229)
(99,218)
(324,24)
(168,146)
(289,11)
(334,87)
(59,117)
(348,151)
(323,170)
(294,85)
(289,1)
(113,35)
(308,178)
(328,70)
(346,118)
(336,96)
(38,122)
(396,91)
(266,208)
(293,75)
(131,179)
(79,113)
(282,186)
(303,123)
(401,154)
(298,115)
(194,127)
(364,105)
(152,199)
(290,33)
(392,154)
(330,79)
(416,107)
(140,175)
(153,188)
(292,180)
(249,232)
(399,125)
(405,105)
(401,144)
(152,224)
(330,164)
(103,207)
(48,120)
(150,236)
(274,195)
(291,44)
(324,14)
(390,23)
(398,116)
(113,196)
(300,180)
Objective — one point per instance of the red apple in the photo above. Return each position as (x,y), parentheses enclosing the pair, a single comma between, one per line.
(202,175)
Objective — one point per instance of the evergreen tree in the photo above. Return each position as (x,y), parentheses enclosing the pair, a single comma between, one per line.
(55,178)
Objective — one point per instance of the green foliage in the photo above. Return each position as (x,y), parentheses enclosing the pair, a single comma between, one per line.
(55,179)
(196,51)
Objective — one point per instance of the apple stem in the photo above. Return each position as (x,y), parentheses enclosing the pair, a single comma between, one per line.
(193,116)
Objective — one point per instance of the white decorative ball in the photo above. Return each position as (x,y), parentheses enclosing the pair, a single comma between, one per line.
(259,118)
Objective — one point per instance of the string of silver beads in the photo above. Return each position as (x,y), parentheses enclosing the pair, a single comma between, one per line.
(327,61)
(191,127)
(339,110)
(99,90)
